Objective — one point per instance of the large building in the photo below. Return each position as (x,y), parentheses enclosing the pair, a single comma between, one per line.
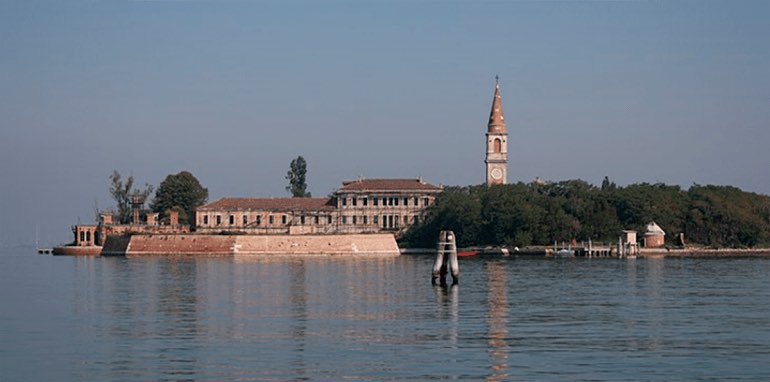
(359,206)
(383,204)
(497,142)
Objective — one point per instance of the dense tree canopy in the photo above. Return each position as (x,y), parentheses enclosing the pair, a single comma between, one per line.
(296,177)
(526,214)
(182,193)
(122,193)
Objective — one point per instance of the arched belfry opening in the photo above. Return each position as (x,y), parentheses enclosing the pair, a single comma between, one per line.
(497,151)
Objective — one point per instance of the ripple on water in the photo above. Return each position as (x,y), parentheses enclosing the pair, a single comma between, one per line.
(380,319)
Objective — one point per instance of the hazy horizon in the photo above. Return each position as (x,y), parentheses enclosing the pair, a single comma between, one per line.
(672,92)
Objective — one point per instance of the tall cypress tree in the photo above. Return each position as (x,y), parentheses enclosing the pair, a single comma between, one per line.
(296,177)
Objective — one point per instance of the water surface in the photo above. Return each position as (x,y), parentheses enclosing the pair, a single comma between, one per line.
(224,318)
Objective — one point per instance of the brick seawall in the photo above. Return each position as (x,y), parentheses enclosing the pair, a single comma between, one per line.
(257,245)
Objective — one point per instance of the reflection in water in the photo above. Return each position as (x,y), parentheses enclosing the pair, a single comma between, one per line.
(299,315)
(153,317)
(497,319)
(447,299)
(379,319)
(656,306)
(177,309)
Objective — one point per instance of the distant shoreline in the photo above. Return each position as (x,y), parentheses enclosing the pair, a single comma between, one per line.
(643,252)
(704,252)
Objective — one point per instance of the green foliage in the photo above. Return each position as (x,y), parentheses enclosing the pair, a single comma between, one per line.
(535,213)
(122,193)
(296,177)
(182,193)
(727,216)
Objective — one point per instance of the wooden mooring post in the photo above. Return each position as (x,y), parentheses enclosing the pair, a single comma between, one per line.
(446,256)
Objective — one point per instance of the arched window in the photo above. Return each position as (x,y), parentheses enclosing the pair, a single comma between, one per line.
(498,145)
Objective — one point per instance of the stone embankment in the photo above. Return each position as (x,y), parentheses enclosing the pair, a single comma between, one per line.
(704,252)
(253,245)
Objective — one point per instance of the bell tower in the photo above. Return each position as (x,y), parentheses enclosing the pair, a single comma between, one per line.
(497,142)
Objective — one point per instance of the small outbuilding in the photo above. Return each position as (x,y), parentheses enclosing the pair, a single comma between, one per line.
(628,237)
(654,236)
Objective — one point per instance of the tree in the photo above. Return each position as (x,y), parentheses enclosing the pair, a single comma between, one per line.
(182,193)
(296,178)
(122,194)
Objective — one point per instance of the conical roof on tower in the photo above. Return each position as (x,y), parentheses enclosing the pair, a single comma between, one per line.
(496,117)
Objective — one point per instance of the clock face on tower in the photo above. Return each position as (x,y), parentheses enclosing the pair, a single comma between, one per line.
(496,173)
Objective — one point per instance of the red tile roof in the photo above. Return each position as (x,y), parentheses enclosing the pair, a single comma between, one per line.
(363,184)
(272,204)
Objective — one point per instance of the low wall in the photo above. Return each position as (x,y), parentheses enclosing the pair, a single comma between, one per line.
(115,245)
(261,245)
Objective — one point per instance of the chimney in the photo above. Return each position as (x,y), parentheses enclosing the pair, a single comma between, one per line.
(152,219)
(136,205)
(173,217)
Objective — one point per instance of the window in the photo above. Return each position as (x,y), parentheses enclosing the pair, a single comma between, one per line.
(259,219)
(366,220)
(329,219)
(376,219)
(271,220)
(283,219)
(354,202)
(316,220)
(498,145)
(344,200)
(425,201)
(344,220)
(205,219)
(366,202)
(88,235)
(302,220)
(82,236)
(415,201)
(354,220)
(395,200)
(374,200)
(219,219)
(232,219)
(245,219)
(406,201)
(384,221)
(390,201)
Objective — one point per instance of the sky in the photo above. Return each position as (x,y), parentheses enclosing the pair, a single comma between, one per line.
(676,92)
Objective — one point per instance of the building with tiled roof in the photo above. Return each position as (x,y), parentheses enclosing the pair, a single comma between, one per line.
(274,204)
(359,206)
(383,204)
(267,215)
(390,185)
(654,236)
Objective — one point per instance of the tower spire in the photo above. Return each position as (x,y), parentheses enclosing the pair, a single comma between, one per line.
(497,141)
(496,117)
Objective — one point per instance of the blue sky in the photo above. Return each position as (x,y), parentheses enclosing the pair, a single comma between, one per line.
(640,91)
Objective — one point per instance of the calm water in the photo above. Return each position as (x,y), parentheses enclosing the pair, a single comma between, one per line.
(67,318)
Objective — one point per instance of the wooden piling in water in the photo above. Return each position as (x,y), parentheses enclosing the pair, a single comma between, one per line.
(446,257)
